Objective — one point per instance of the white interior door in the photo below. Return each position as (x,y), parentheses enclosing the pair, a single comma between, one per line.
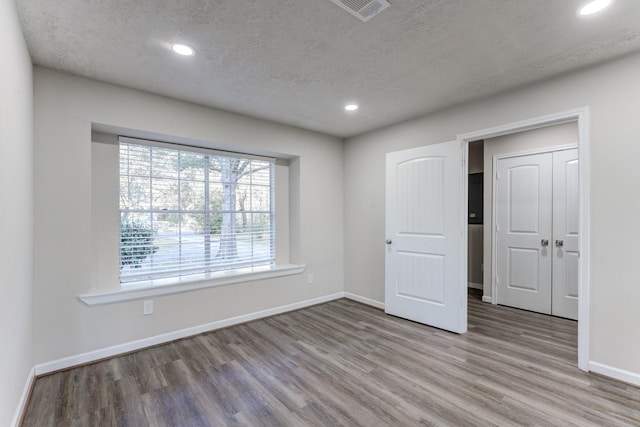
(425,278)
(523,232)
(566,208)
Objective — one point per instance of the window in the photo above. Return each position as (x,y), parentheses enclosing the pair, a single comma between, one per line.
(186,210)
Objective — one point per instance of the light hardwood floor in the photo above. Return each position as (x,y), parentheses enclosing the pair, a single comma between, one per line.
(344,363)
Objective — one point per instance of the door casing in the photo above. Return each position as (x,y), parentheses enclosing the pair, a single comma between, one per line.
(581,117)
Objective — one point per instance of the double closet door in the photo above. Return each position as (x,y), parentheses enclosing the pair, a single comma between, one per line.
(537,219)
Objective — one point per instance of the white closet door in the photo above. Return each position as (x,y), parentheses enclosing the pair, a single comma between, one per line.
(425,279)
(566,210)
(524,226)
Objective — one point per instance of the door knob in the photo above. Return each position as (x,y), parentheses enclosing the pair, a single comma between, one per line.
(544,242)
(388,241)
(559,243)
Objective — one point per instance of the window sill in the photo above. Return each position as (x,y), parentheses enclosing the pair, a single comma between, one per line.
(159,287)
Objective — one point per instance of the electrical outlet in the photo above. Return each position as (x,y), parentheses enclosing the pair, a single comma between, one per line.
(148,308)
(310,278)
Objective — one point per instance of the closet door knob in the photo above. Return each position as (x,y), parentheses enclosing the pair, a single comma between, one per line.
(388,241)
(544,242)
(559,243)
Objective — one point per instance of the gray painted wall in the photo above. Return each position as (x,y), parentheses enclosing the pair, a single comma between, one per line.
(65,107)
(16,213)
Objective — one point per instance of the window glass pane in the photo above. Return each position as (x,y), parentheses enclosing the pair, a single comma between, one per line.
(165,163)
(231,169)
(245,177)
(136,159)
(261,225)
(192,195)
(135,193)
(192,241)
(165,194)
(243,197)
(215,196)
(192,166)
(215,208)
(260,198)
(167,226)
(185,212)
(262,236)
(261,173)
(214,170)
(137,240)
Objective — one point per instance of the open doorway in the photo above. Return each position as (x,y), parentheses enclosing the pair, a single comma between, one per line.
(579,120)
(530,237)
(475,217)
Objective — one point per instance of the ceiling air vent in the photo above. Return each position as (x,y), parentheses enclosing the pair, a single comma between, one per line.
(363,9)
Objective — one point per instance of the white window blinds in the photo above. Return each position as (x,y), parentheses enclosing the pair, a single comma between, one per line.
(187,211)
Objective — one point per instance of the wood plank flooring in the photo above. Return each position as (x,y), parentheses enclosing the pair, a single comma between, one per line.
(346,364)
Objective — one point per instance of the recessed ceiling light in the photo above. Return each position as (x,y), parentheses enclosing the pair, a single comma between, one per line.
(594,7)
(351,107)
(182,49)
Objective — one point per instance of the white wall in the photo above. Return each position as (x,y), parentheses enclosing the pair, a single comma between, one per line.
(610,90)
(551,136)
(16,213)
(65,107)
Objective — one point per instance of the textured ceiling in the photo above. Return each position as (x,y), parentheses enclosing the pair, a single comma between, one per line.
(299,61)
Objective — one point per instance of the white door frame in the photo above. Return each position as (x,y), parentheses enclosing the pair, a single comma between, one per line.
(581,117)
(494,206)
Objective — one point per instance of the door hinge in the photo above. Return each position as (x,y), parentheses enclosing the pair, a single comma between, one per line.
(497,228)
(497,280)
(497,174)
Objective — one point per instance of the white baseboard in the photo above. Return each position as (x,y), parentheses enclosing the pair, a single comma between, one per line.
(618,374)
(24,398)
(364,300)
(475,285)
(487,298)
(95,355)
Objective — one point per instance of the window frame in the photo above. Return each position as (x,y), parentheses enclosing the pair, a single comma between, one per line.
(207,266)
(104,287)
